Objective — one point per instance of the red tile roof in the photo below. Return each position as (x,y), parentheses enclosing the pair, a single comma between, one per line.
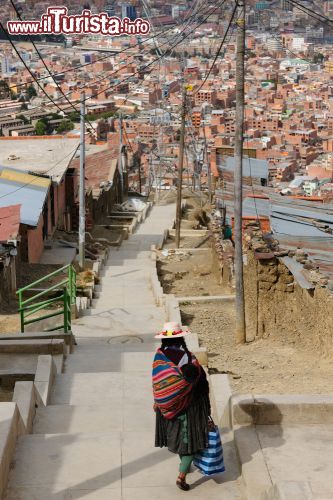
(9,222)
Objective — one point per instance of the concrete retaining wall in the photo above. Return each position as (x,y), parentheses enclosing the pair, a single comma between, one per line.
(10,428)
(289,409)
(44,378)
(25,397)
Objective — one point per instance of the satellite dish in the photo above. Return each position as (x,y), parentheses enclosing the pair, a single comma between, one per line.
(13,252)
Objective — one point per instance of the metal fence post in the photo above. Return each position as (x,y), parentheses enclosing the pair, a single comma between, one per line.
(65,310)
(21,311)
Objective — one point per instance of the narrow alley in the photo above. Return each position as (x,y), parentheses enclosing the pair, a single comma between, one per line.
(96,438)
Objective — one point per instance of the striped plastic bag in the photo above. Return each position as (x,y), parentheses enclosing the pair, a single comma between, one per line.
(210,461)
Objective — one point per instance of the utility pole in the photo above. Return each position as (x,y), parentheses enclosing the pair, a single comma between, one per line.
(140,181)
(82,200)
(209,173)
(238,176)
(120,158)
(159,172)
(180,168)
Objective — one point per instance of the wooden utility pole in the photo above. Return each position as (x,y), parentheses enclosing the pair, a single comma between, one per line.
(140,180)
(82,194)
(238,176)
(120,158)
(180,168)
(209,172)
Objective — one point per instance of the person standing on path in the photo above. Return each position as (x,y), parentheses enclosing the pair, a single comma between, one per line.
(181,395)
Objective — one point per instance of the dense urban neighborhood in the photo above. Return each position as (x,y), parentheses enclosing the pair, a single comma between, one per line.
(181,177)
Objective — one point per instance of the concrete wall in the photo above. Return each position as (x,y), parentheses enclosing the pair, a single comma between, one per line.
(277,305)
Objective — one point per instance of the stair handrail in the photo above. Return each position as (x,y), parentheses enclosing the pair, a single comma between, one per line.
(68,296)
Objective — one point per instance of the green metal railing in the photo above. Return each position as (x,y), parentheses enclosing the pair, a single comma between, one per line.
(65,297)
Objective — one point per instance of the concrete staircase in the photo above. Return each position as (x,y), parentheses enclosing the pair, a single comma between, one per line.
(95,440)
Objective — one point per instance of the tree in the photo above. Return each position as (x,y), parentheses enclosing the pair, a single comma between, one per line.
(13,95)
(74,116)
(23,118)
(31,91)
(4,90)
(40,128)
(65,125)
(318,58)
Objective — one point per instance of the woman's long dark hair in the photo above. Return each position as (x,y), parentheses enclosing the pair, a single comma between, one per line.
(177,342)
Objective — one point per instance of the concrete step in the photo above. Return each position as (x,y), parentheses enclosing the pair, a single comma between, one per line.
(105,359)
(123,299)
(62,465)
(67,337)
(33,346)
(120,343)
(72,419)
(122,320)
(105,387)
(107,466)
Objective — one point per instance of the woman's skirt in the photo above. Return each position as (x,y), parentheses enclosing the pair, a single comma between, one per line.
(187,433)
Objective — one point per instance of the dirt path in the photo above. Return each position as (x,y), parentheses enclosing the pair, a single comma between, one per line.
(270,365)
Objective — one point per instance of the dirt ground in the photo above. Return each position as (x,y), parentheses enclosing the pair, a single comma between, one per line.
(189,274)
(9,317)
(277,364)
(269,365)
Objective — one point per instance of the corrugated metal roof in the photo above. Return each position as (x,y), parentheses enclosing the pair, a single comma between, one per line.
(256,207)
(297,271)
(9,223)
(294,222)
(31,197)
(251,167)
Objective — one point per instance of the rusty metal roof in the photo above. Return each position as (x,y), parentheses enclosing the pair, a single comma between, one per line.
(9,223)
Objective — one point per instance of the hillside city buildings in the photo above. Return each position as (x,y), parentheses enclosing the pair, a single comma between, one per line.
(288,116)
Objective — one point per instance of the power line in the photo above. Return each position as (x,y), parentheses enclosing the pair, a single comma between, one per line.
(102,58)
(106,56)
(311,12)
(129,77)
(28,69)
(45,65)
(220,47)
(155,60)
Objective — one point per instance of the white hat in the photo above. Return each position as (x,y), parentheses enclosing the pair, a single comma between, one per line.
(172,330)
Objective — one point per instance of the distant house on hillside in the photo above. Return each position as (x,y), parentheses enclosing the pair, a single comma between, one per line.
(32,191)
(36,172)
(103,183)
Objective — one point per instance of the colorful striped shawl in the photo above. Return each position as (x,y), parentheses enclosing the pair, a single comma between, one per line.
(172,393)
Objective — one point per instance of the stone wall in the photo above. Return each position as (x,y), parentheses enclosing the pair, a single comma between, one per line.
(222,257)
(277,306)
